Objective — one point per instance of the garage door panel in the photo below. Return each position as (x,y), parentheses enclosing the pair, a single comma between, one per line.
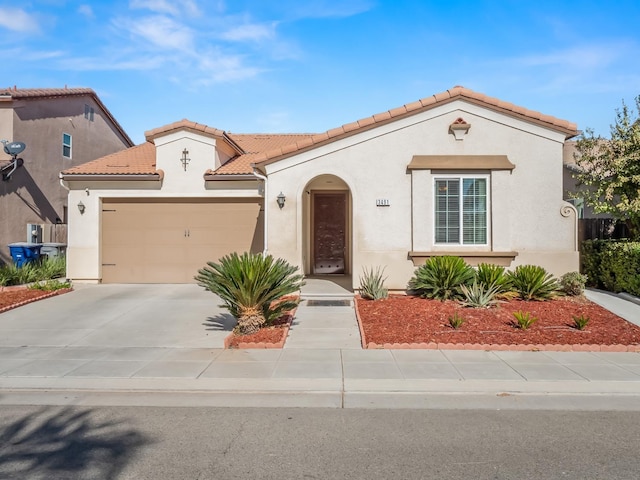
(147,241)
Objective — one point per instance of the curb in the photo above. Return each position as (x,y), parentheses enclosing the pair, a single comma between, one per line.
(31,300)
(261,345)
(503,347)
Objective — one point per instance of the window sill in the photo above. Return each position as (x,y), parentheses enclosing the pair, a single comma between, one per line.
(472,258)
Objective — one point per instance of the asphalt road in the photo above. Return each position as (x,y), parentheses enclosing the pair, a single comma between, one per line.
(214,443)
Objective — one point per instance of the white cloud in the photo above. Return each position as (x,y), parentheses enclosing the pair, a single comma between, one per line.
(581,57)
(161,32)
(86,10)
(328,8)
(164,6)
(250,32)
(18,20)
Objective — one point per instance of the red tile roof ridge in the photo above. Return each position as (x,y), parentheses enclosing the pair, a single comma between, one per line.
(185,123)
(569,128)
(45,92)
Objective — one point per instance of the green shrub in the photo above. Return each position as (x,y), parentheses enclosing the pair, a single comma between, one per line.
(372,284)
(252,287)
(532,282)
(50,285)
(441,278)
(479,295)
(456,321)
(524,319)
(612,265)
(573,283)
(580,322)
(493,275)
(44,268)
(51,267)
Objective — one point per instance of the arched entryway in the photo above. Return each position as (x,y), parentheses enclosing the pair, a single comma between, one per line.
(328,226)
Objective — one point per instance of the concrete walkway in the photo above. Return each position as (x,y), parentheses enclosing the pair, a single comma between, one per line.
(113,345)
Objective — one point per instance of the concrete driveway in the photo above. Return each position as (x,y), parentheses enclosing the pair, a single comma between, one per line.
(178,316)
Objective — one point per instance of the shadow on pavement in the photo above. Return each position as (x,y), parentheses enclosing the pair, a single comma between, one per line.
(66,443)
(223,321)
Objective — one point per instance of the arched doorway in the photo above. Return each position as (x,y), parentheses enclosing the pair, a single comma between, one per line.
(328,226)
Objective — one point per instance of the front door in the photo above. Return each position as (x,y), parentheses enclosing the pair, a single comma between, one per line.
(329,232)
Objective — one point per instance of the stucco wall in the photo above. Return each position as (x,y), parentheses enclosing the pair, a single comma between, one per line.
(84,251)
(34,194)
(526,203)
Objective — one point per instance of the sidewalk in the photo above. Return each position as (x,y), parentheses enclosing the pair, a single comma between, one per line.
(307,375)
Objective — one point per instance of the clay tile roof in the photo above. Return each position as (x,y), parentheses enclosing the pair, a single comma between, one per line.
(138,160)
(568,128)
(9,94)
(255,144)
(184,124)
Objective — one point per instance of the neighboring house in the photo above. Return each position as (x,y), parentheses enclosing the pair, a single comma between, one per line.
(457,173)
(61,127)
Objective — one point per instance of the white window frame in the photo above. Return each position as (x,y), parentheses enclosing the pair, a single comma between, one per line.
(70,145)
(460,177)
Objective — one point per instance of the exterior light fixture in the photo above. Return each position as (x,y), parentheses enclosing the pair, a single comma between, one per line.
(280,199)
(81,207)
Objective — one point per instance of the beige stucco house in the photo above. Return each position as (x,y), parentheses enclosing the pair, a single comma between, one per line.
(455,173)
(62,128)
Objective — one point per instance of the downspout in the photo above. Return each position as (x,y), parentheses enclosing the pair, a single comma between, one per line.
(265,217)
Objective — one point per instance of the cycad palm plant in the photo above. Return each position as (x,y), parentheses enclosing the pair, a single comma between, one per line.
(251,287)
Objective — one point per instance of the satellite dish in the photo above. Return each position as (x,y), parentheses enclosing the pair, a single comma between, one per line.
(14,148)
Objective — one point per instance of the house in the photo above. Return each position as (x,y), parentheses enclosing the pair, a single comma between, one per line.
(457,173)
(61,128)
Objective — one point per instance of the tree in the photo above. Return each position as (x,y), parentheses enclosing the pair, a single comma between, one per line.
(608,172)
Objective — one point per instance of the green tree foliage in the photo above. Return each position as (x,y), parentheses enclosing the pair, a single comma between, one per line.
(609,169)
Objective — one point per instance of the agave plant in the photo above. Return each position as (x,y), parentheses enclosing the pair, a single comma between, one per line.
(372,284)
(441,278)
(533,282)
(479,295)
(252,287)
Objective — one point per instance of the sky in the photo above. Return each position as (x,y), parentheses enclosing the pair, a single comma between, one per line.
(249,66)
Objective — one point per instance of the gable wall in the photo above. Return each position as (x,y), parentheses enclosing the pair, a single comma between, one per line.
(526,203)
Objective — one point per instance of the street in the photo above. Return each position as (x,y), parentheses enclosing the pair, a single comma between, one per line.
(218,443)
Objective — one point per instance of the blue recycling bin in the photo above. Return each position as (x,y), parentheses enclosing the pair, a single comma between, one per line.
(23,252)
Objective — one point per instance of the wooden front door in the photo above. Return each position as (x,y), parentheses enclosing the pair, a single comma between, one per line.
(329,232)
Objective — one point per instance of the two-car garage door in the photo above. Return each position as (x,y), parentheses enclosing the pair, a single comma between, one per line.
(168,240)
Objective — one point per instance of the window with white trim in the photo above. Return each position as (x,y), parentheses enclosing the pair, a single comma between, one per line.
(66,145)
(461,210)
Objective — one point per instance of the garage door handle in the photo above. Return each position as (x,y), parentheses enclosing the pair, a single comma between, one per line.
(187,233)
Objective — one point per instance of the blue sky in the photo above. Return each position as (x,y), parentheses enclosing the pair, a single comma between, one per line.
(311,65)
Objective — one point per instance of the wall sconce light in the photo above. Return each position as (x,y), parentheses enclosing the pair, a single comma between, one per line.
(81,207)
(280,199)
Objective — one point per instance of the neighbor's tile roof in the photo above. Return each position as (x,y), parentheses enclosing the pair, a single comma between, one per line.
(457,92)
(261,149)
(9,94)
(138,160)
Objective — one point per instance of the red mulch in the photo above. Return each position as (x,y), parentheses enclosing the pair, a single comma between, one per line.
(271,335)
(15,298)
(406,319)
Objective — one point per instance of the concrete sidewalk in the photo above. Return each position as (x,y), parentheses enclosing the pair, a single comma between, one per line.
(101,370)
